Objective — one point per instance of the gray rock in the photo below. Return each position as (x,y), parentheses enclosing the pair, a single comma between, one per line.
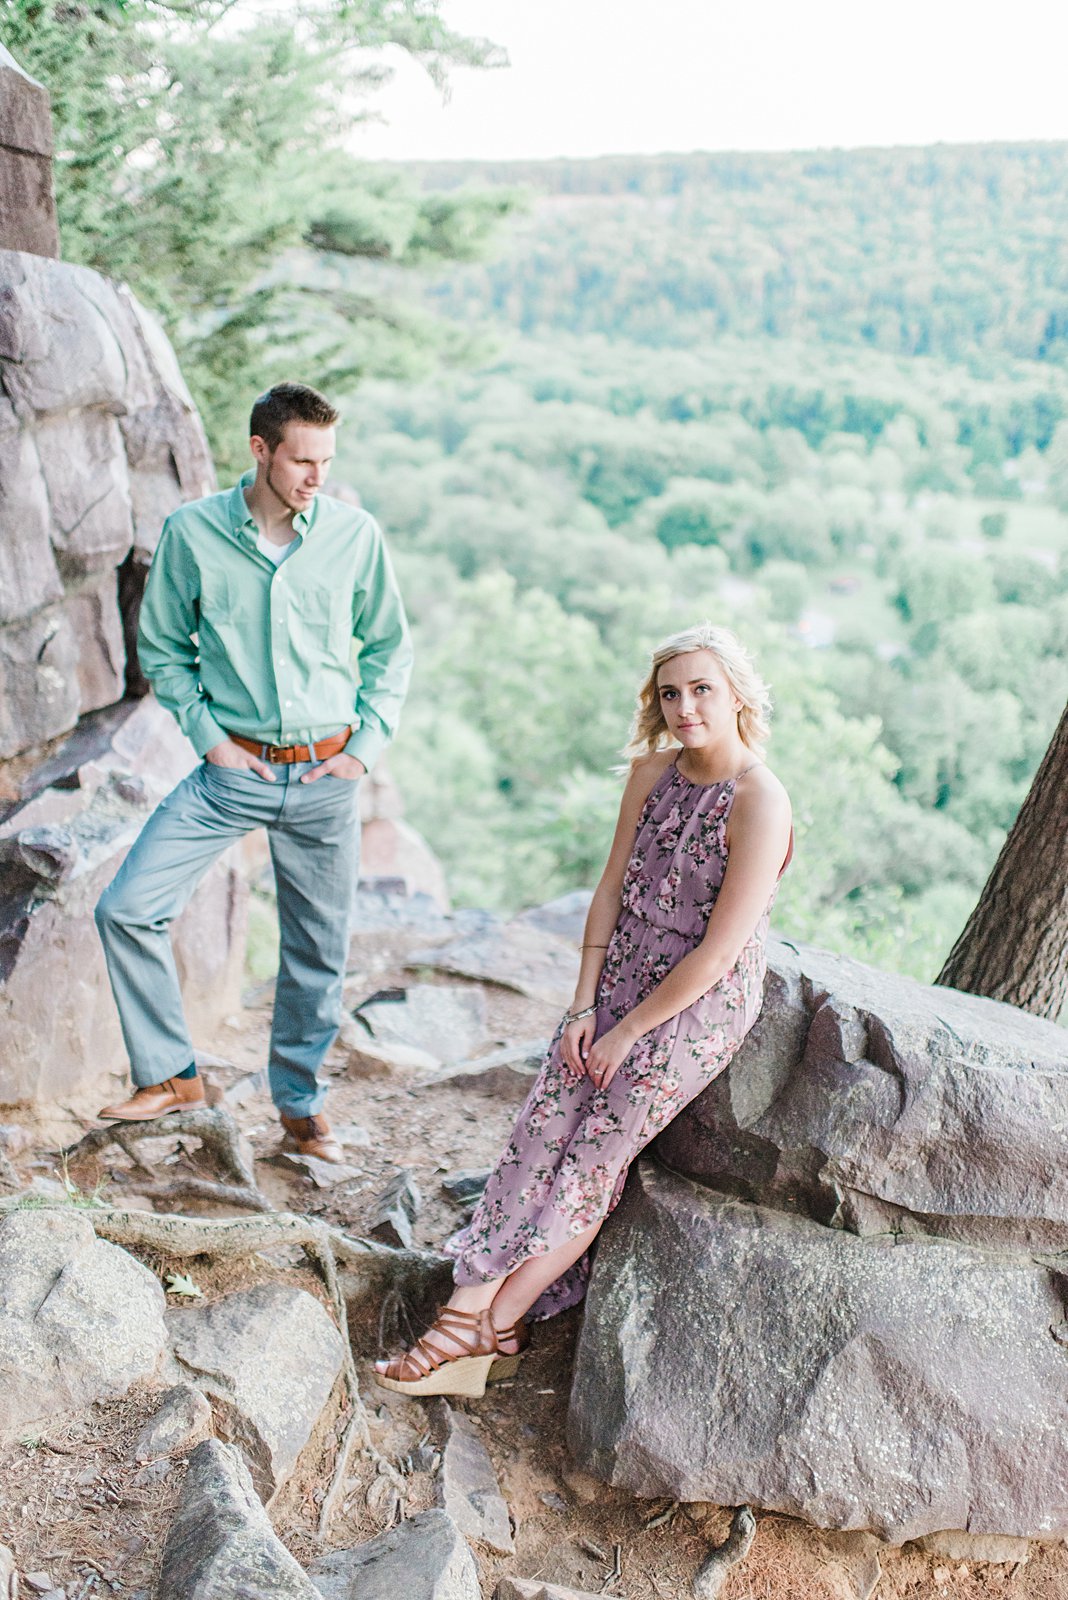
(424,1558)
(181,1420)
(394,1211)
(323,1174)
(88,483)
(9,1576)
(29,576)
(220,1545)
(463,1187)
(517,956)
(40,696)
(27,207)
(80,1319)
(889,1105)
(565,916)
(466,1485)
(507,1073)
(268,1358)
(739,1355)
(96,622)
(435,1023)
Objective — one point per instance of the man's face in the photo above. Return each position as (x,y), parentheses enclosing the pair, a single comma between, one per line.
(297,470)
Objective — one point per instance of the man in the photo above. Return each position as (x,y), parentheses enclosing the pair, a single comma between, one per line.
(253,600)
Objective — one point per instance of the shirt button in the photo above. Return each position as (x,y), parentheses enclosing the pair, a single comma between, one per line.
(288,704)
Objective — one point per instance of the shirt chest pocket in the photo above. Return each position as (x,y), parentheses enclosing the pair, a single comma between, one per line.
(320,613)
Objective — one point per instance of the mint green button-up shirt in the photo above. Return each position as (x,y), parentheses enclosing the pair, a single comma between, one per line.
(233,644)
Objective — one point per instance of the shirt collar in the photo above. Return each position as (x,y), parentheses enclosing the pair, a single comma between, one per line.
(242,520)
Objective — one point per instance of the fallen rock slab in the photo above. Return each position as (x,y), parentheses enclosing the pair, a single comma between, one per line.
(516,956)
(466,1484)
(182,1419)
(395,1210)
(424,1558)
(505,1073)
(221,1545)
(433,1023)
(268,1358)
(80,1319)
(736,1354)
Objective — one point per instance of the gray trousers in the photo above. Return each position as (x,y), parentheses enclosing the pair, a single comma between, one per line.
(314,835)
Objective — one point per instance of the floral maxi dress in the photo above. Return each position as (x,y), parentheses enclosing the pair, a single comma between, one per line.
(566,1162)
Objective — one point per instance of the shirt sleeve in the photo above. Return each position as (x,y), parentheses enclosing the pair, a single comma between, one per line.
(385,656)
(165,644)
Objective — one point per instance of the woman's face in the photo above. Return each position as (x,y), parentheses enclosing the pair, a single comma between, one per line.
(698,703)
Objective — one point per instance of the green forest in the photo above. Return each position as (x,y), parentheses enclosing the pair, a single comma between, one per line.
(821,398)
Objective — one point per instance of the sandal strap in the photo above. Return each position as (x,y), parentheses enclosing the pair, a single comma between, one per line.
(428,1354)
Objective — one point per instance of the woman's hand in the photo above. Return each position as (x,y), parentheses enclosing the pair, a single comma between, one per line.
(607,1055)
(575,1042)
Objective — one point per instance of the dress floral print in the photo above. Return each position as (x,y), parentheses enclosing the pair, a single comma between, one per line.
(566,1162)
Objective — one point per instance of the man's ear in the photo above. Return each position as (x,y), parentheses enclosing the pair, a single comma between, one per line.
(260,450)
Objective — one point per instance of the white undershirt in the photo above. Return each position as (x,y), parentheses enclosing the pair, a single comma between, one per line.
(275,553)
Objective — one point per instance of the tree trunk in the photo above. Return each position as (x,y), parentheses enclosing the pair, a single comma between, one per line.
(1015,944)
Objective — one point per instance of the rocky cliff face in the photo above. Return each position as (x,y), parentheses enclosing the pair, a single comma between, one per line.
(99,442)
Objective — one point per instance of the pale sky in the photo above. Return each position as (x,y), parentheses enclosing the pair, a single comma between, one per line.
(596,77)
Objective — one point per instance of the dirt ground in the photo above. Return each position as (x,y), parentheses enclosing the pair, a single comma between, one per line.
(76,1509)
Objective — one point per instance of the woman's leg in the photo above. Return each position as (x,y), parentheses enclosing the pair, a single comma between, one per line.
(508,1299)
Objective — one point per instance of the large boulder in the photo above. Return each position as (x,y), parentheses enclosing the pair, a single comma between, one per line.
(220,1543)
(268,1358)
(877,1102)
(736,1354)
(80,1319)
(59,1031)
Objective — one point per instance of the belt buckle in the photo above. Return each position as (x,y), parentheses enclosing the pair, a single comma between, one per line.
(277,753)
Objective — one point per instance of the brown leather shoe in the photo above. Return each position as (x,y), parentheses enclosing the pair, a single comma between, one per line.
(312,1137)
(173,1094)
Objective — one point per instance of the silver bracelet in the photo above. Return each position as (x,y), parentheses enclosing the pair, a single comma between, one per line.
(578,1016)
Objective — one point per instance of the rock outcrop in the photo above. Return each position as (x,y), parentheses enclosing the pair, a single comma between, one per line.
(99,441)
(27,205)
(845,1300)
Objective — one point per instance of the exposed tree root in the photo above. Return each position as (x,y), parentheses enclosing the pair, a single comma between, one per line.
(711,1574)
(220,1137)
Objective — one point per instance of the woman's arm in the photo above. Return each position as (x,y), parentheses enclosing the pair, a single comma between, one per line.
(604,909)
(759,840)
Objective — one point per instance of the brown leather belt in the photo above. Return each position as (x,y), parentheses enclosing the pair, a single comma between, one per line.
(322,749)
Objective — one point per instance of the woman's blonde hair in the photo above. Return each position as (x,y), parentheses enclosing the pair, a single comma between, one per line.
(649,731)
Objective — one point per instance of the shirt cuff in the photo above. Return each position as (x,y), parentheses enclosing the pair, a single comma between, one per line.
(202,730)
(366,744)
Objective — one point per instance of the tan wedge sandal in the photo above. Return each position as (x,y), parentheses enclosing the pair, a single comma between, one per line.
(459,1354)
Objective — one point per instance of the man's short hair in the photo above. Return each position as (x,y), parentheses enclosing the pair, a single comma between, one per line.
(289,402)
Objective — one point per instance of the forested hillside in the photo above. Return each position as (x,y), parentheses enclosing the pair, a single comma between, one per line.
(887,527)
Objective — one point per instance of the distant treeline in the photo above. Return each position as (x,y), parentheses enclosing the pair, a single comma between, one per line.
(949,251)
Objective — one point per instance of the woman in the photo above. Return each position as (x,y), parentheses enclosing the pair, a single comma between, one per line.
(671,981)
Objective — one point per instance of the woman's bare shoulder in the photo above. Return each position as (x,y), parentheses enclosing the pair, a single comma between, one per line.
(646,770)
(760,790)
